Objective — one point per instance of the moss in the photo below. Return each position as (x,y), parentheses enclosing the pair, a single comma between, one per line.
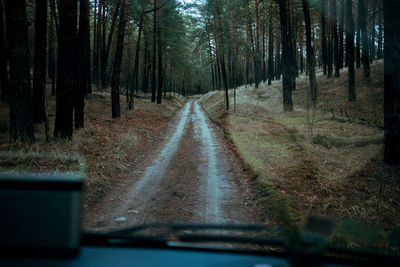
(283,207)
(292,119)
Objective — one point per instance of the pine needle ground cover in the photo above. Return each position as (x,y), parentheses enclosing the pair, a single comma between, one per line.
(300,177)
(109,146)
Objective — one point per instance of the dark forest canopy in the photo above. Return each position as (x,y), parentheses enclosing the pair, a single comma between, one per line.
(159,47)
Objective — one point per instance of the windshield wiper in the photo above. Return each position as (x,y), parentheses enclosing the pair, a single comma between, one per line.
(186,235)
(164,235)
(110,239)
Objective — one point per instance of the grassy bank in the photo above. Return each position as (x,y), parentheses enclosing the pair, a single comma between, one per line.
(108,145)
(300,177)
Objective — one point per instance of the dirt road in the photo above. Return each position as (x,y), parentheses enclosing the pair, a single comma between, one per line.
(192,177)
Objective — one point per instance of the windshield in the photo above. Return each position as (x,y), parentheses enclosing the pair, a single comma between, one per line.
(221,112)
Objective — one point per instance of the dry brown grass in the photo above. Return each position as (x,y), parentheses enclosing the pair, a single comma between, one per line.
(107,145)
(347,182)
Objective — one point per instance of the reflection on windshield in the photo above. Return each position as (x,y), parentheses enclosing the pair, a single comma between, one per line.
(239,112)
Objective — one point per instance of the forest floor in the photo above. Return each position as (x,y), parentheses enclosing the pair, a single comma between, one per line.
(107,145)
(191,176)
(157,163)
(300,177)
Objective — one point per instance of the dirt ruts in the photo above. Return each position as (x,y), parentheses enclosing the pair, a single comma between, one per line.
(192,177)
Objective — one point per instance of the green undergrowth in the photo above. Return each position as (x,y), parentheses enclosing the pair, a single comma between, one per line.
(298,178)
(250,142)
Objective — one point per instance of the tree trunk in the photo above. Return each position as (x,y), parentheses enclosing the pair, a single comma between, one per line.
(220,47)
(271,47)
(350,51)
(218,69)
(341,31)
(80,84)
(372,31)
(67,11)
(88,68)
(391,9)
(292,31)
(257,41)
(103,63)
(146,63)
(104,60)
(39,72)
(225,80)
(116,113)
(153,80)
(160,62)
(364,33)
(329,58)
(106,48)
(211,62)
(94,37)
(136,66)
(287,73)
(380,36)
(264,67)
(358,41)
(310,55)
(52,62)
(253,51)
(278,70)
(21,120)
(3,60)
(323,35)
(335,39)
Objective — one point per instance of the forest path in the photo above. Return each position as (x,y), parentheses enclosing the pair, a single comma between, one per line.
(193,177)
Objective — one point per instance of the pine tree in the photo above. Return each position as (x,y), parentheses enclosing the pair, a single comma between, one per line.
(21,120)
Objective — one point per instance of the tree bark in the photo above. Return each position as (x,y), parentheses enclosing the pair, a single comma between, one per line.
(329,57)
(67,11)
(264,66)
(358,40)
(220,47)
(350,51)
(88,67)
(257,41)
(341,32)
(211,62)
(21,120)
(3,60)
(310,55)
(103,64)
(106,52)
(364,33)
(153,80)
(52,62)
(372,31)
(271,46)
(146,63)
(335,39)
(380,36)
(94,74)
(136,65)
(292,31)
(81,83)
(287,73)
(160,61)
(391,9)
(253,50)
(323,36)
(123,17)
(39,71)
(278,70)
